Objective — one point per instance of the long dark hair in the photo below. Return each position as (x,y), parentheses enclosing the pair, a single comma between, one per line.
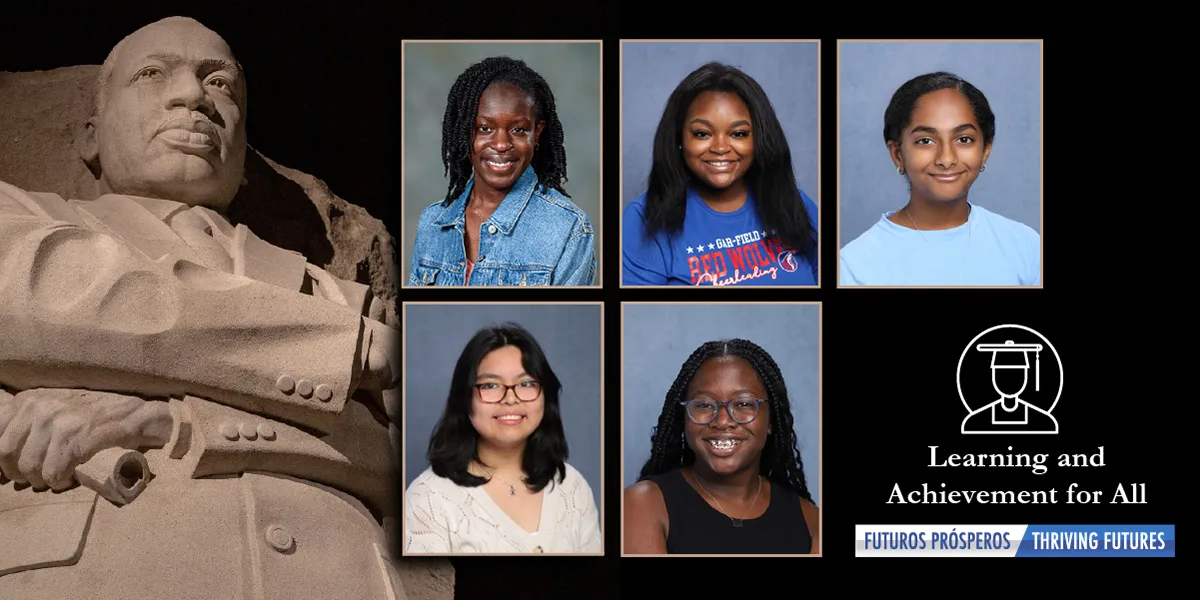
(462,106)
(771,177)
(454,443)
(780,462)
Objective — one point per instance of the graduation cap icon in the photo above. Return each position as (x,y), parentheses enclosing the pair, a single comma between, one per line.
(1012,404)
(1010,355)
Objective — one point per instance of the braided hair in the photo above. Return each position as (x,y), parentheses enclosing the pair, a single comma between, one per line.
(780,462)
(462,106)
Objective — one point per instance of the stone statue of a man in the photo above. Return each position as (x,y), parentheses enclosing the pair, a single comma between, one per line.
(255,388)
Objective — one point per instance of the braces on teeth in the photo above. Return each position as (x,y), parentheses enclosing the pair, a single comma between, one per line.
(723,444)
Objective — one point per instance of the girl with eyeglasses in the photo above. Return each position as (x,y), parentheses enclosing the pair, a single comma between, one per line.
(724,475)
(498,481)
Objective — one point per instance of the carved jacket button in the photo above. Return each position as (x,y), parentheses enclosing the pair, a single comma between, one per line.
(285,384)
(280,539)
(324,393)
(248,432)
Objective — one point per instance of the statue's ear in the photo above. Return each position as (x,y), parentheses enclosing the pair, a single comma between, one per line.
(88,147)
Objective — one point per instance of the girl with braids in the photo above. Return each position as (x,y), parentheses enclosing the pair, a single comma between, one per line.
(498,480)
(724,474)
(506,219)
(939,130)
(722,207)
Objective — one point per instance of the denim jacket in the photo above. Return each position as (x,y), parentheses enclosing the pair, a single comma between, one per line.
(536,236)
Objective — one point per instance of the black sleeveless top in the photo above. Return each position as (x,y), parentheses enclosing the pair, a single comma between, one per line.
(695,527)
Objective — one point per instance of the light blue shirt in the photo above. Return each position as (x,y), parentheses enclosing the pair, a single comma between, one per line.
(536,236)
(987,250)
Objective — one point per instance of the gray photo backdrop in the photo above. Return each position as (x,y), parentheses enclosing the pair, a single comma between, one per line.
(572,69)
(658,338)
(650,71)
(1008,73)
(570,335)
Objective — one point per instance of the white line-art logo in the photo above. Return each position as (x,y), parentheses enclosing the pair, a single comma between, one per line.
(1022,392)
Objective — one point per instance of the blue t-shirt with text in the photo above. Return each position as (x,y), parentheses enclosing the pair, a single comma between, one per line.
(713,249)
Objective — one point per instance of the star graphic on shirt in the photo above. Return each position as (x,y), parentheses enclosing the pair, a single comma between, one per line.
(689,249)
(699,246)
(710,246)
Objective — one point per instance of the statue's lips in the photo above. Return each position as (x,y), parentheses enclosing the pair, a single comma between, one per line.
(189,135)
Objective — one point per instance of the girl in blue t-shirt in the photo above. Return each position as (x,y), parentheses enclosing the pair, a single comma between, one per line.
(939,131)
(722,207)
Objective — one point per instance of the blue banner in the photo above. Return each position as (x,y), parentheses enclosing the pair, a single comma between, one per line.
(1098,540)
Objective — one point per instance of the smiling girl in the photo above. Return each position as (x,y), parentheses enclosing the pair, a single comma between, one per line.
(507,219)
(722,207)
(939,131)
(724,475)
(498,481)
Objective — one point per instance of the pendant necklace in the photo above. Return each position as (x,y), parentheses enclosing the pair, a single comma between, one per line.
(736,522)
(512,489)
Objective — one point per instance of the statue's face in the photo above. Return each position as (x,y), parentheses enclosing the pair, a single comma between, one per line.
(173,121)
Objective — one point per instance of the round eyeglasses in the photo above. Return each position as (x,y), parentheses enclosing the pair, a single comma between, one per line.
(491,392)
(703,411)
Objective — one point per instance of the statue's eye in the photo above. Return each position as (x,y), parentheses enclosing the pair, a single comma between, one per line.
(150,73)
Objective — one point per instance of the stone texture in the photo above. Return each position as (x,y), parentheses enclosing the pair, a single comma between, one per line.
(43,112)
(427,578)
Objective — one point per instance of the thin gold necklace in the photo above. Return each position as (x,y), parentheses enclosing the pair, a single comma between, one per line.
(736,522)
(908,213)
(962,273)
(475,202)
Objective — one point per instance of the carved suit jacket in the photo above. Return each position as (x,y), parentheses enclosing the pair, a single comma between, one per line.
(258,349)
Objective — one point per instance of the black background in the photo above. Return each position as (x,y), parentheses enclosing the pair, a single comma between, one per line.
(325,99)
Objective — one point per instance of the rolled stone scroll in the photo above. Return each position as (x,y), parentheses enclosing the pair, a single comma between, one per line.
(118,474)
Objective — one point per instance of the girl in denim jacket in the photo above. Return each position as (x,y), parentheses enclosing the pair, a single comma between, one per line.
(506,219)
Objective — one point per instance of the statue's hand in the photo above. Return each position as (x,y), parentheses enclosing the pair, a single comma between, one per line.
(45,433)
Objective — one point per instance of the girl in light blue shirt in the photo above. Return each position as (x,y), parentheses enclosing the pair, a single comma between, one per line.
(939,131)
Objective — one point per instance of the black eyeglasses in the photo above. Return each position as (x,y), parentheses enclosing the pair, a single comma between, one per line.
(491,392)
(703,411)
